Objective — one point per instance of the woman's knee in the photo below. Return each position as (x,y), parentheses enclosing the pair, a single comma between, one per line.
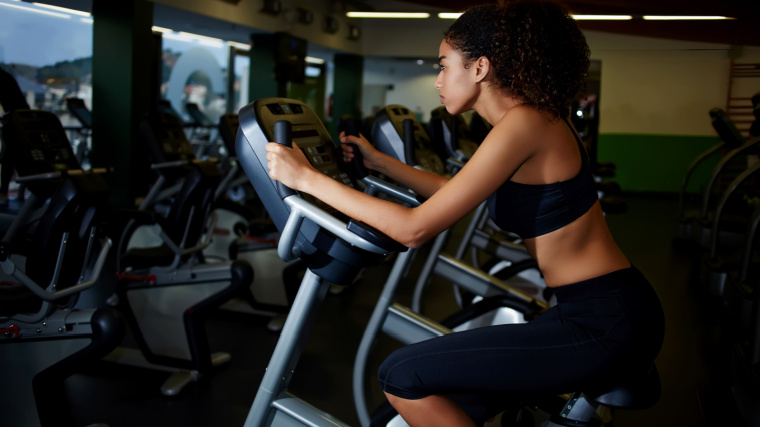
(398,375)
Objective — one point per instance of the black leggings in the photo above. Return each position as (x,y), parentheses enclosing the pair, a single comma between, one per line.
(600,331)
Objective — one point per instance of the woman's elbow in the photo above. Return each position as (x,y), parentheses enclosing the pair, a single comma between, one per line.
(416,239)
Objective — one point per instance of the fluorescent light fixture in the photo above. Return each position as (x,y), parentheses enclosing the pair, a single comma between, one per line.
(162,29)
(204,40)
(313,60)
(63,9)
(43,12)
(177,36)
(211,43)
(454,15)
(449,15)
(413,15)
(241,46)
(87,20)
(601,17)
(684,18)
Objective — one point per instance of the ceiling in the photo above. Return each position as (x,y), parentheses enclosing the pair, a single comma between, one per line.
(744,30)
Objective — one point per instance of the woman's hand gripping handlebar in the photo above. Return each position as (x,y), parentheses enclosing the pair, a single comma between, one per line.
(355,158)
(283,136)
(301,209)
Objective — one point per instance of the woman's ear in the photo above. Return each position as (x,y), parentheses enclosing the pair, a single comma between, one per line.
(482,68)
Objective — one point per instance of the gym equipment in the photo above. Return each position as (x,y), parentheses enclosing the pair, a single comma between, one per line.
(742,311)
(333,247)
(53,252)
(202,135)
(198,128)
(398,133)
(233,179)
(166,290)
(479,128)
(252,237)
(79,110)
(695,226)
(719,261)
(754,128)
(450,139)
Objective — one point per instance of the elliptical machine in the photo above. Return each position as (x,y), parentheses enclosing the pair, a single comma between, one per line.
(334,248)
(166,290)
(52,253)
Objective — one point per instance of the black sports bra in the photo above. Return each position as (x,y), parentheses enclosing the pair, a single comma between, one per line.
(530,210)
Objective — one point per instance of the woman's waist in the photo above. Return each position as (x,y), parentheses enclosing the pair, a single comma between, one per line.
(565,258)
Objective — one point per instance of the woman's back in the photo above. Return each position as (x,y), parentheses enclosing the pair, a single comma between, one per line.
(550,200)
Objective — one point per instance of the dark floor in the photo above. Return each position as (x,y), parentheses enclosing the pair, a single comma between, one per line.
(692,363)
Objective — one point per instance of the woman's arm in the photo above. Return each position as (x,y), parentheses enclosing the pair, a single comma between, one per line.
(499,156)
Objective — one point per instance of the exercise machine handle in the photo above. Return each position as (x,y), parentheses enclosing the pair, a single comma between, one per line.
(454,133)
(409,142)
(357,164)
(301,209)
(283,136)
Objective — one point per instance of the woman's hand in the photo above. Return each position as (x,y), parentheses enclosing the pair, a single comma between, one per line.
(288,165)
(369,154)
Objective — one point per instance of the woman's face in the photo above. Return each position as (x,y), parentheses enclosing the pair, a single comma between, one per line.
(455,82)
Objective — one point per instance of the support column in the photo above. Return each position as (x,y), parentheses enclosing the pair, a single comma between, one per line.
(123,73)
(347,89)
(262,82)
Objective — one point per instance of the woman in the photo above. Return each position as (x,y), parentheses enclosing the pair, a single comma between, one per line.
(519,65)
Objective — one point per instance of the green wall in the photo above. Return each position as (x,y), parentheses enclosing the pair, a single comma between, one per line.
(656,163)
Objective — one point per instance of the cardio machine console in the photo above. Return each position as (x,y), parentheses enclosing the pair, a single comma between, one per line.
(310,136)
(325,253)
(398,133)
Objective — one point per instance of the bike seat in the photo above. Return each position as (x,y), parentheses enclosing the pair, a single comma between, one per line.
(639,392)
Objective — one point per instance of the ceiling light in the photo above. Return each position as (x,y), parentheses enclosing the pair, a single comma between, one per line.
(31,9)
(313,60)
(417,15)
(601,17)
(204,40)
(162,29)
(63,9)
(241,46)
(684,18)
(454,15)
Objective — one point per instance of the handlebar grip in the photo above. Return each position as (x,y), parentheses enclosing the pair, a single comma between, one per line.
(283,133)
(454,132)
(357,164)
(283,136)
(409,142)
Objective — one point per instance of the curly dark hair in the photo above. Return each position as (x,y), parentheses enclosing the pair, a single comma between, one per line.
(537,52)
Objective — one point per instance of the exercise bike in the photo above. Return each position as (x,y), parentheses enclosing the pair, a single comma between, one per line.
(335,249)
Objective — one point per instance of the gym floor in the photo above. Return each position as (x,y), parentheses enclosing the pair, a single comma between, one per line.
(692,363)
